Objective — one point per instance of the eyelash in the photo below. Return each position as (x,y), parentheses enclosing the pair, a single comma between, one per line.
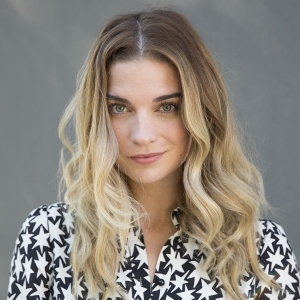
(175,108)
(111,107)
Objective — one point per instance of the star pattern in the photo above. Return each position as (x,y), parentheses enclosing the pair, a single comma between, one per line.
(68,221)
(159,290)
(122,278)
(26,223)
(190,247)
(283,242)
(275,259)
(41,239)
(198,273)
(269,242)
(26,240)
(56,231)
(179,282)
(79,287)
(139,289)
(67,293)
(27,268)
(269,226)
(292,261)
(39,220)
(285,278)
(41,267)
(18,264)
(247,285)
(62,272)
(53,213)
(41,264)
(187,294)
(40,290)
(60,252)
(24,291)
(262,285)
(207,290)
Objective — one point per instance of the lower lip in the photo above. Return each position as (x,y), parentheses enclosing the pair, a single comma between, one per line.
(147,160)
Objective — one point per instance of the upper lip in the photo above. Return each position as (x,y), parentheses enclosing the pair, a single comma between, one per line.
(146,155)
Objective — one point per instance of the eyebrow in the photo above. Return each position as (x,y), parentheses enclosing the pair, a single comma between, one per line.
(158,99)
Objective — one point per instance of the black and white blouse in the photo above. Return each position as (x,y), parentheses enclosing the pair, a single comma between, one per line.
(41,269)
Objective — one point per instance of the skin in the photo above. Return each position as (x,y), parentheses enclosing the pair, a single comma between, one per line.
(144,100)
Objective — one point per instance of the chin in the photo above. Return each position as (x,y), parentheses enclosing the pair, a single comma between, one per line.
(154,177)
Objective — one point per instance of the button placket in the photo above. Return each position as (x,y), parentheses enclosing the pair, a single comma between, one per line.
(160,282)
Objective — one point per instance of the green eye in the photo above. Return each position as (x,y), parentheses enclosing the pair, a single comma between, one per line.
(167,107)
(119,108)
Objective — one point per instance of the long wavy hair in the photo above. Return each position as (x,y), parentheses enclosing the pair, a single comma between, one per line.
(223,189)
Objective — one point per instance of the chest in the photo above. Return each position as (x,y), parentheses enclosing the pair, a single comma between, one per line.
(179,273)
(154,241)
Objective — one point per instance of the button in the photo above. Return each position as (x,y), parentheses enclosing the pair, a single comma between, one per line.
(160,282)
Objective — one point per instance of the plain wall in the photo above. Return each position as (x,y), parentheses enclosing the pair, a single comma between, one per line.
(44,43)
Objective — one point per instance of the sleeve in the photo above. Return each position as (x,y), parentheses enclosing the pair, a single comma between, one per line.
(278,261)
(31,265)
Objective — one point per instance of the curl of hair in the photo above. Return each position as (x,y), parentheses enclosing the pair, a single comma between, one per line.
(223,190)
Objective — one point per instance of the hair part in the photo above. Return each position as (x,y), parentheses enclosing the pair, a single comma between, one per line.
(223,189)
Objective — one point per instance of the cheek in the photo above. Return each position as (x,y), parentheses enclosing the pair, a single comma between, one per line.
(120,133)
(185,143)
(179,134)
(179,137)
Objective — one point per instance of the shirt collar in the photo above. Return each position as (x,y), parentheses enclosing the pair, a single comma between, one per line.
(175,215)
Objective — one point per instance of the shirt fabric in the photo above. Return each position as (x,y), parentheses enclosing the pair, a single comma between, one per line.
(41,268)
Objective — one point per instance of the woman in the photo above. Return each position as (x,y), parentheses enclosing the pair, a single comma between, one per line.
(161,201)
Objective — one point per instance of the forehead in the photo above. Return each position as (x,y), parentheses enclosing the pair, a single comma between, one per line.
(143,76)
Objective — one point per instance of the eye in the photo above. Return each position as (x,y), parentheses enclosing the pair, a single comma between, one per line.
(168,107)
(117,108)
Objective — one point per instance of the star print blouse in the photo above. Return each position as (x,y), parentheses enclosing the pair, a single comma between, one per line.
(41,269)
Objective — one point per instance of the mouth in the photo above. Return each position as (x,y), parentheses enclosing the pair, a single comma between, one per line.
(146,158)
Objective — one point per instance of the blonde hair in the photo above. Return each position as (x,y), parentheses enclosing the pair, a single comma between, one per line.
(223,189)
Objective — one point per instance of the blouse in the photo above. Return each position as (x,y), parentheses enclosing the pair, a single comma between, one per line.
(41,269)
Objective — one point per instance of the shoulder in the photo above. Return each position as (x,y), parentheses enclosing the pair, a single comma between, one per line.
(265,226)
(54,210)
(276,256)
(46,215)
(53,223)
(272,237)
(41,253)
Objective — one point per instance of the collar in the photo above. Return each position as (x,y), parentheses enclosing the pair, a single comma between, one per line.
(175,216)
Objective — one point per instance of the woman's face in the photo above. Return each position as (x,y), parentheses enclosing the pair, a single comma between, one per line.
(144,102)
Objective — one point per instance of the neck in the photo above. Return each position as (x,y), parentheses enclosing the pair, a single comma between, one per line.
(159,199)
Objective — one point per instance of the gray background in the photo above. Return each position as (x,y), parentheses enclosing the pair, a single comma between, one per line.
(44,43)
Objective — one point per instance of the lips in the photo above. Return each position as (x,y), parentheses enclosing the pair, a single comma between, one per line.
(146,158)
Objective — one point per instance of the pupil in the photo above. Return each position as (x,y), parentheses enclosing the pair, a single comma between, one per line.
(119,108)
(167,106)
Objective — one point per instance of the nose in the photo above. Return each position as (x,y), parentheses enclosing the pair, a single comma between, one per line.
(143,130)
